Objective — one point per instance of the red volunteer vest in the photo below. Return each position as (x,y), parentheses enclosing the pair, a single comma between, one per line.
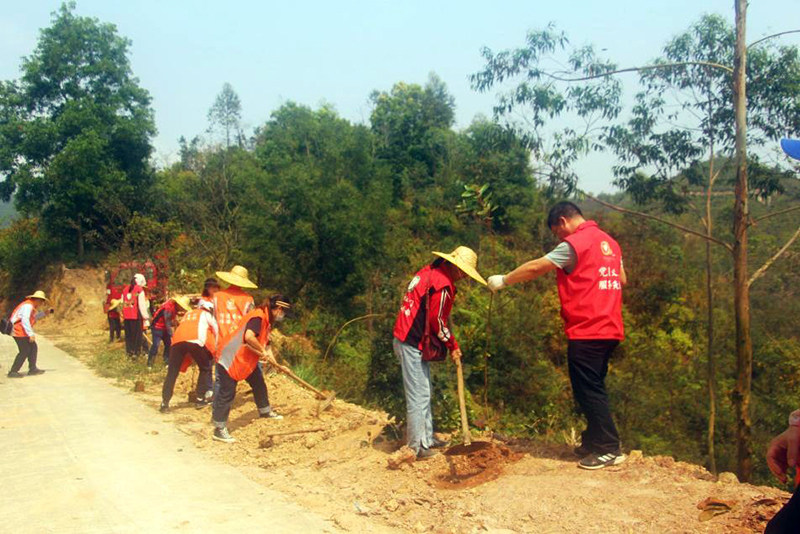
(189,330)
(234,355)
(230,306)
(160,322)
(591,295)
(407,324)
(130,302)
(19,331)
(112,294)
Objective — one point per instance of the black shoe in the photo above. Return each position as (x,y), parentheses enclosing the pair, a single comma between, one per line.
(34,372)
(582,451)
(424,454)
(439,444)
(202,403)
(601,460)
(164,408)
(14,374)
(222,434)
(272,414)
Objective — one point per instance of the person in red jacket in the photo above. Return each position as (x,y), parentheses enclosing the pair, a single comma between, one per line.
(164,319)
(422,334)
(590,278)
(112,307)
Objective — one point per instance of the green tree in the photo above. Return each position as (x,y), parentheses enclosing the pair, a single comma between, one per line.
(226,115)
(75,129)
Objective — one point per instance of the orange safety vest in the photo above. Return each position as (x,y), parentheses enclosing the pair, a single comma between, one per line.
(19,331)
(189,330)
(130,302)
(230,306)
(234,354)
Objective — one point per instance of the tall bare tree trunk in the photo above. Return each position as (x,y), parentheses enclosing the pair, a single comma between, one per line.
(712,372)
(744,346)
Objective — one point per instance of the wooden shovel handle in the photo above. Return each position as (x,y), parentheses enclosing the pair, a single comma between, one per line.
(462,403)
(290,374)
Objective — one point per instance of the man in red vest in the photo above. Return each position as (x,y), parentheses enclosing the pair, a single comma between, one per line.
(590,278)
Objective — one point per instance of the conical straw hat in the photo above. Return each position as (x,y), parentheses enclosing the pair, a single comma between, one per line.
(465,259)
(183,301)
(38,295)
(236,277)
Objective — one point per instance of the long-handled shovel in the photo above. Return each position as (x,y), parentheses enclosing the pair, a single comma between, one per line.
(325,398)
(462,404)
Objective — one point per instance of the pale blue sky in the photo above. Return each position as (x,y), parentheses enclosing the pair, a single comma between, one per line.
(338,52)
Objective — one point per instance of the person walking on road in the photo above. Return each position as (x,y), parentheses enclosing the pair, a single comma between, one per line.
(136,313)
(422,334)
(590,277)
(163,321)
(23,318)
(238,359)
(195,339)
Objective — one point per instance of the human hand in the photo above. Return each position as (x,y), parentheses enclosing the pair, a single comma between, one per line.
(496,281)
(146,323)
(32,339)
(783,451)
(455,355)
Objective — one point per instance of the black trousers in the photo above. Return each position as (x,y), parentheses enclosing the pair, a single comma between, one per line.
(202,358)
(28,350)
(133,336)
(588,366)
(787,520)
(114,328)
(227,391)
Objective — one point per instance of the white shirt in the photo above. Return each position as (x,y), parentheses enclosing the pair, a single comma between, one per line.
(206,320)
(23,315)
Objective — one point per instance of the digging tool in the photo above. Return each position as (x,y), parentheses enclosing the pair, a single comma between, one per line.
(326,399)
(462,403)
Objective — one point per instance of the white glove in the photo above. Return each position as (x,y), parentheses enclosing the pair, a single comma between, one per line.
(496,281)
(146,323)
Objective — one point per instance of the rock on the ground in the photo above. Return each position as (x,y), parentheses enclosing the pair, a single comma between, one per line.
(402,456)
(727,478)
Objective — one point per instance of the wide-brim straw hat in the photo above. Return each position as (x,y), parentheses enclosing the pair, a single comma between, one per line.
(236,277)
(38,295)
(184,302)
(465,259)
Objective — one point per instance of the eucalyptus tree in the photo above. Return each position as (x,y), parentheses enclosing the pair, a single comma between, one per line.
(655,159)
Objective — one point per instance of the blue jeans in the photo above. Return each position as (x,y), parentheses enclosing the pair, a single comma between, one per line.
(417,386)
(159,336)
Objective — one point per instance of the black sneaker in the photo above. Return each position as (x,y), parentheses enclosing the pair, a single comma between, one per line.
(201,403)
(14,374)
(34,372)
(424,454)
(601,460)
(272,414)
(582,451)
(439,444)
(164,408)
(222,434)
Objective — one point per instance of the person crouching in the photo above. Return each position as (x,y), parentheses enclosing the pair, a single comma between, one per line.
(194,339)
(23,318)
(238,359)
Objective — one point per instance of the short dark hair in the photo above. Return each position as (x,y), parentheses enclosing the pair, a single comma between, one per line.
(565,209)
(210,282)
(272,302)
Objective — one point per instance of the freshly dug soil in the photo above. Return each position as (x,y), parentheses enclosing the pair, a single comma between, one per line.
(472,465)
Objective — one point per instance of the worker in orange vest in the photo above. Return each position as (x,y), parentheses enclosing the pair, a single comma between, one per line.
(136,313)
(194,339)
(23,318)
(232,304)
(238,359)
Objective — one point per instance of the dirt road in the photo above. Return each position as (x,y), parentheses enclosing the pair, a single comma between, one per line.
(79,455)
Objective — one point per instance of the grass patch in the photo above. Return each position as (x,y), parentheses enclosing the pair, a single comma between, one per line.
(115,363)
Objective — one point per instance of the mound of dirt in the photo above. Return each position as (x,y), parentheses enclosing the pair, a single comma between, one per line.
(77,296)
(473,465)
